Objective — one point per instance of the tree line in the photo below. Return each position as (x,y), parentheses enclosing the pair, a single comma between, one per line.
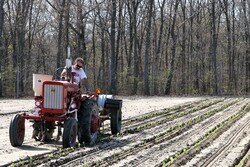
(145,47)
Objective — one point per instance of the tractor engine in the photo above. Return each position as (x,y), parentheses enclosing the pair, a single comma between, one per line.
(57,96)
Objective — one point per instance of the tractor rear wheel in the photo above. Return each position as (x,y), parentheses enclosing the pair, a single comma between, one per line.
(114,107)
(88,122)
(116,121)
(17,130)
(69,133)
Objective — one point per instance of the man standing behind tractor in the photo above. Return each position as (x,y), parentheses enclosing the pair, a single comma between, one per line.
(80,77)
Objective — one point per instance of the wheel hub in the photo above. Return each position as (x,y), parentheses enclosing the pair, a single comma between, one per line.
(95,123)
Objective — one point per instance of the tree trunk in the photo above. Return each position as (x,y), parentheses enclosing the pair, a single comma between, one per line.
(147,49)
(118,41)
(60,37)
(135,43)
(102,69)
(158,56)
(183,48)
(233,49)
(247,42)
(113,72)
(1,44)
(190,56)
(21,56)
(67,17)
(27,65)
(224,6)
(94,55)
(214,46)
(130,45)
(173,49)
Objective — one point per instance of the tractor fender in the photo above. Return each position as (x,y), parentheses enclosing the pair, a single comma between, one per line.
(102,98)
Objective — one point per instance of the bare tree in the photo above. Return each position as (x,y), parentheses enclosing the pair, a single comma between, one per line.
(213,47)
(113,69)
(17,30)
(94,51)
(173,49)
(60,35)
(102,31)
(158,56)
(147,48)
(183,45)
(119,55)
(225,9)
(129,44)
(135,5)
(1,43)
(247,42)
(234,48)
(124,43)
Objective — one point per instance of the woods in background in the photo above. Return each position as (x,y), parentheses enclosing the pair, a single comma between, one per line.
(145,47)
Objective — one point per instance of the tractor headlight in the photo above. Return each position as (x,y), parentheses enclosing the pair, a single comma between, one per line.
(38,103)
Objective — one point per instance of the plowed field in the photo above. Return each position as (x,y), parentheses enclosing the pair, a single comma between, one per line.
(156,131)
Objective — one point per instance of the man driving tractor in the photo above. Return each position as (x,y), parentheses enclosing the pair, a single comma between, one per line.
(80,78)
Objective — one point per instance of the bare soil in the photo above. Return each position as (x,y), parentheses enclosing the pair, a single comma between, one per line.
(157,131)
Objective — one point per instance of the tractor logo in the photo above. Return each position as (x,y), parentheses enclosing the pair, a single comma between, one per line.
(53,90)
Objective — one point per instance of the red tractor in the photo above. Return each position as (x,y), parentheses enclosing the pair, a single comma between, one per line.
(61,104)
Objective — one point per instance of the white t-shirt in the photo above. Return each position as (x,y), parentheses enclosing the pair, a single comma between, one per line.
(80,74)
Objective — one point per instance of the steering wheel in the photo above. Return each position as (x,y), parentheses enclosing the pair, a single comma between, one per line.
(57,74)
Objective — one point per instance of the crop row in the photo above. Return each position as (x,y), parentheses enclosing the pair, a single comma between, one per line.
(181,157)
(244,158)
(160,113)
(166,118)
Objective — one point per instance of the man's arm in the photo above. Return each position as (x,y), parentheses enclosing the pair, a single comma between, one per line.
(64,72)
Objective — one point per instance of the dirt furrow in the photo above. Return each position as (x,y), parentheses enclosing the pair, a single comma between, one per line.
(216,159)
(188,153)
(244,159)
(226,148)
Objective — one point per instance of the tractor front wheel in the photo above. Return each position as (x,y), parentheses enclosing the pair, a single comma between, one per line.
(17,130)
(69,133)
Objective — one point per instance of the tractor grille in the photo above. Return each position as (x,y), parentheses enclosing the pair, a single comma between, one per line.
(53,96)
